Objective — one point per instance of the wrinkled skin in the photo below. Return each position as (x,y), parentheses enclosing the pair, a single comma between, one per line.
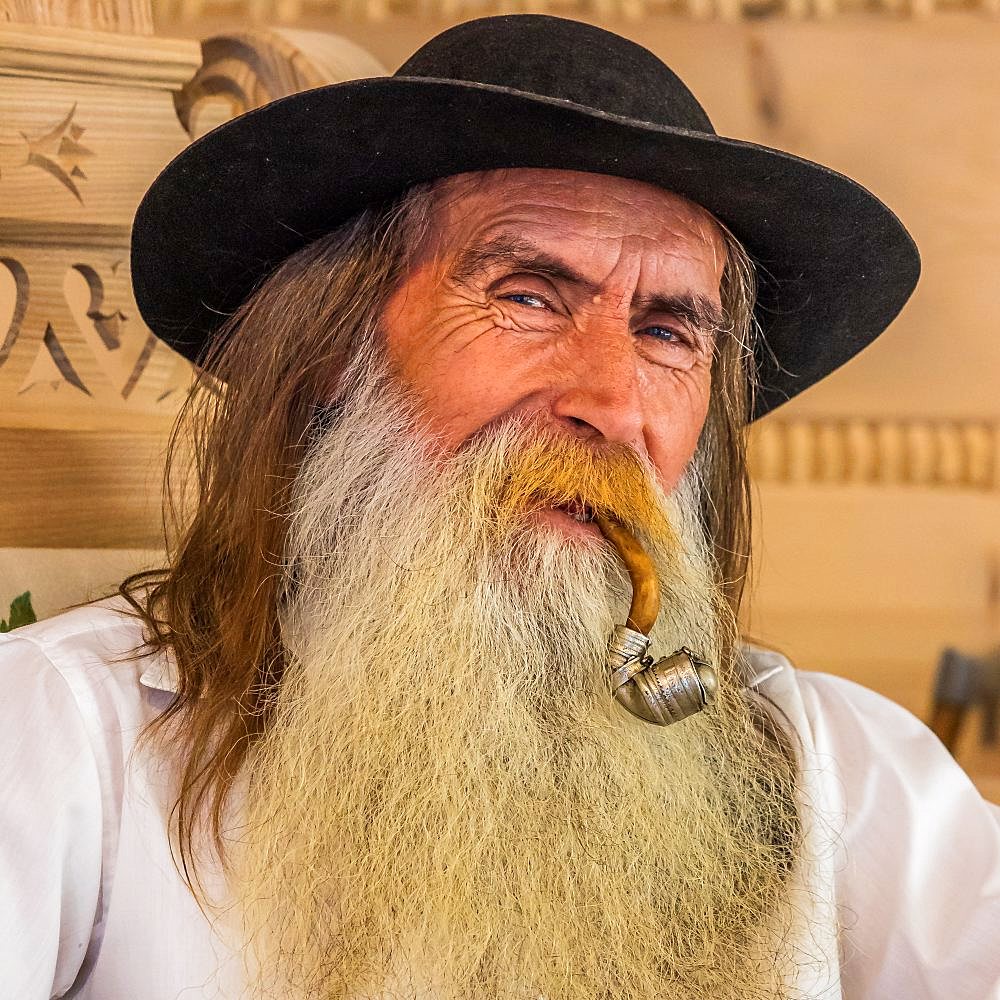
(479,343)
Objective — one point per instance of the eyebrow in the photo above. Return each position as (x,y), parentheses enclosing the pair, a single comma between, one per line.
(519,253)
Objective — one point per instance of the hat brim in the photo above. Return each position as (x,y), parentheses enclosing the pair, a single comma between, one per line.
(835,264)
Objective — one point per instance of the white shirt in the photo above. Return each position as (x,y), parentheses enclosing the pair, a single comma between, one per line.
(902,886)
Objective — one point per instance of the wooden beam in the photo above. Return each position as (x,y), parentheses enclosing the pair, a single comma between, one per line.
(81,489)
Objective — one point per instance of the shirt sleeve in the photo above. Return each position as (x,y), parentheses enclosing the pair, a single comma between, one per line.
(919,891)
(50,827)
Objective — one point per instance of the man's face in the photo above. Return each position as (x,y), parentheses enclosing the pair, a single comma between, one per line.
(593,299)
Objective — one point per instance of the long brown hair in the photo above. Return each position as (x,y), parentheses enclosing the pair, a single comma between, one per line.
(234,455)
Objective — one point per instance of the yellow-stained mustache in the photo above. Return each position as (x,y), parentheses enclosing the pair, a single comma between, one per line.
(554,471)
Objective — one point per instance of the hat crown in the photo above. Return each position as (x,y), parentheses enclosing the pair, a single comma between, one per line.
(564,59)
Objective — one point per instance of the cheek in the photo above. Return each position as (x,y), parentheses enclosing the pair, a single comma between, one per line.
(452,355)
(677,427)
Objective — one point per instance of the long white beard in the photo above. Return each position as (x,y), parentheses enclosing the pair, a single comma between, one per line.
(447,802)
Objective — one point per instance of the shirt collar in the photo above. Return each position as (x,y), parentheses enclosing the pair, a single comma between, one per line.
(762,664)
(161,675)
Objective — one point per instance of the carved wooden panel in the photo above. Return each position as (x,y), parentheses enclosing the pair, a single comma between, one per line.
(296,11)
(76,153)
(87,393)
(74,348)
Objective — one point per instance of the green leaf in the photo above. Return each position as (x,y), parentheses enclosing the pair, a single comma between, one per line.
(21,613)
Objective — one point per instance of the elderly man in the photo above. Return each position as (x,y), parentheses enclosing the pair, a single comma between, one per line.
(441,693)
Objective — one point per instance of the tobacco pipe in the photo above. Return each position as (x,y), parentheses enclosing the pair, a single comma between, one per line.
(673,687)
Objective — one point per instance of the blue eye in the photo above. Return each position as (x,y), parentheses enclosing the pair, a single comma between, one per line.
(525,295)
(672,336)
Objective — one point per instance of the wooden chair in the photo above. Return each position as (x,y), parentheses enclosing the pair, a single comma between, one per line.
(965,682)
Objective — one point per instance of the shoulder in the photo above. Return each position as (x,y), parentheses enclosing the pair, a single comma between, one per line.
(891,765)
(73,700)
(873,746)
(103,628)
(864,731)
(74,695)
(837,706)
(918,881)
(74,703)
(94,653)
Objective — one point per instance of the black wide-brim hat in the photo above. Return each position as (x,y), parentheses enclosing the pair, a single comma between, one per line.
(524,90)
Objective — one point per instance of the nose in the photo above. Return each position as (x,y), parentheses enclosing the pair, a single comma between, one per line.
(600,396)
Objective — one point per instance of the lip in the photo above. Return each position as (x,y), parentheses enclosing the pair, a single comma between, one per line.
(566,523)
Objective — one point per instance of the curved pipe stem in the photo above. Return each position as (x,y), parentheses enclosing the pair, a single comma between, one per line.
(645,585)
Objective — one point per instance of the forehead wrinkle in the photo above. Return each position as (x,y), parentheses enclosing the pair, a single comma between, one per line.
(516,250)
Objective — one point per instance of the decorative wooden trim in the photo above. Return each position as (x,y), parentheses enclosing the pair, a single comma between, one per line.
(246,69)
(94,235)
(290,12)
(938,454)
(134,17)
(80,56)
